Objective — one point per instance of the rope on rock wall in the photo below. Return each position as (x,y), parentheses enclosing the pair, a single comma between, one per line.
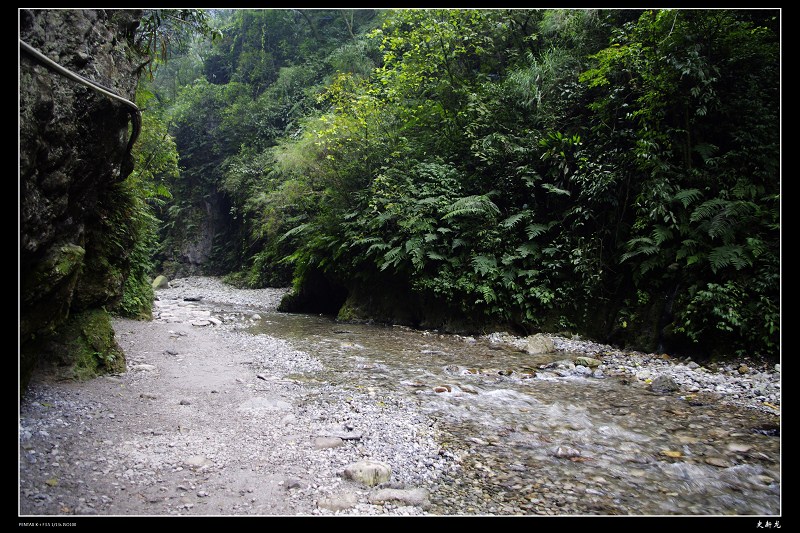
(133,109)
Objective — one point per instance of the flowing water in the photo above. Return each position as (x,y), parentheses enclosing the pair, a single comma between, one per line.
(530,444)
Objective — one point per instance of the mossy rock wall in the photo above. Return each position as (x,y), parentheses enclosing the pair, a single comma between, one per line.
(73,156)
(83,347)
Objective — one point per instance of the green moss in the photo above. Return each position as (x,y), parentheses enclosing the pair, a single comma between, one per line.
(85,346)
(68,260)
(60,267)
(351,312)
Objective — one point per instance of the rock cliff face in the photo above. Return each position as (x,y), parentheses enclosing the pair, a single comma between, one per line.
(73,155)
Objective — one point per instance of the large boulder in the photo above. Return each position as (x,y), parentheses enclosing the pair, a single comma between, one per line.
(538,344)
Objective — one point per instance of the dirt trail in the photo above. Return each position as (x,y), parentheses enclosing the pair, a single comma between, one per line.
(176,433)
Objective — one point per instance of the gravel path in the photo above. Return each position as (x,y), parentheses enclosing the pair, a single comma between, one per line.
(210,420)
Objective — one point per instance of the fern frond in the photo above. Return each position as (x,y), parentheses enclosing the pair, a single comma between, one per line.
(661,234)
(392,257)
(365,240)
(555,190)
(297,230)
(708,209)
(728,255)
(687,196)
(512,221)
(377,247)
(534,230)
(483,264)
(528,249)
(476,205)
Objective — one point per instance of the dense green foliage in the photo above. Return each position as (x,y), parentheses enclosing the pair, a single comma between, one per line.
(609,172)
(132,208)
(142,192)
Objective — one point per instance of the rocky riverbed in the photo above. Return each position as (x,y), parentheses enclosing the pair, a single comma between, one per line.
(211,419)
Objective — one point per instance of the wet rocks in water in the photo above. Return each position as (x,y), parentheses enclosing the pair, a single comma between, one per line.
(738,447)
(587,361)
(768,430)
(664,383)
(442,388)
(566,452)
(368,472)
(564,364)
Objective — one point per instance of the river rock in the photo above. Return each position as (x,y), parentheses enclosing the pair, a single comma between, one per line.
(161,282)
(197,461)
(587,361)
(368,472)
(565,452)
(664,383)
(345,434)
(536,344)
(264,404)
(564,364)
(417,496)
(321,443)
(338,502)
(293,483)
